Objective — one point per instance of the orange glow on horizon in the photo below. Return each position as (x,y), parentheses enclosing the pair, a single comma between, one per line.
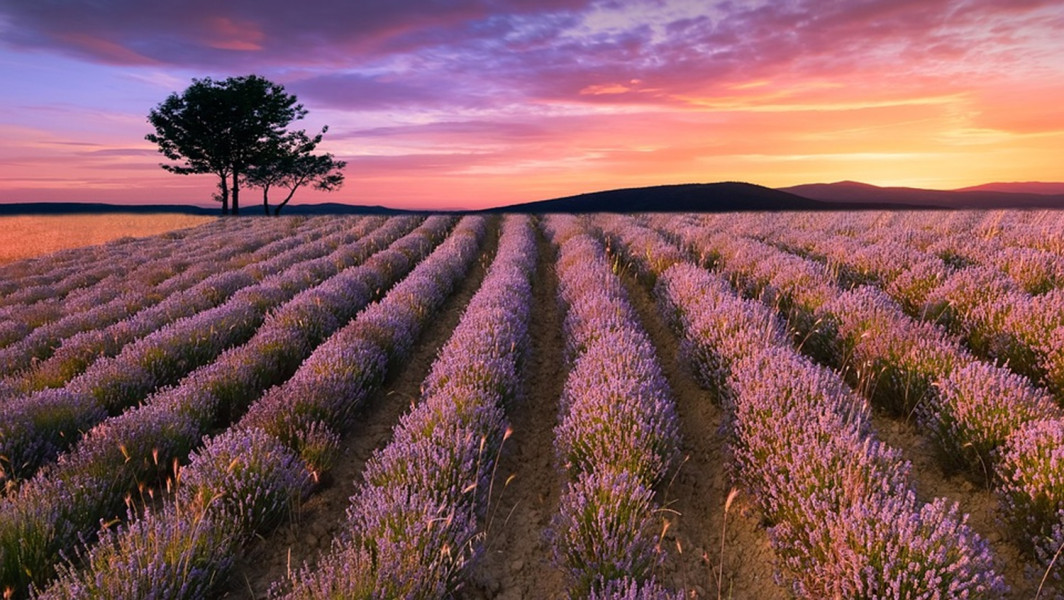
(453,107)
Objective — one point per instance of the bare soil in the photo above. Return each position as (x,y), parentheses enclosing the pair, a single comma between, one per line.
(713,549)
(321,518)
(517,559)
(979,502)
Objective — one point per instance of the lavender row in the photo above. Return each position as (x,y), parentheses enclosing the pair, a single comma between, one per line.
(882,351)
(56,274)
(119,298)
(160,260)
(30,306)
(1004,301)
(163,278)
(958,237)
(796,286)
(51,269)
(140,447)
(434,477)
(80,351)
(38,426)
(618,434)
(845,521)
(55,265)
(231,499)
(969,407)
(985,418)
(893,358)
(897,362)
(993,309)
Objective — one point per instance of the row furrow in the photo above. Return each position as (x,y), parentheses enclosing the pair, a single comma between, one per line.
(412,529)
(618,434)
(142,447)
(845,520)
(36,427)
(246,479)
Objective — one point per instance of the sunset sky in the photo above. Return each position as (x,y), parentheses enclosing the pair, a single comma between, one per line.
(474,103)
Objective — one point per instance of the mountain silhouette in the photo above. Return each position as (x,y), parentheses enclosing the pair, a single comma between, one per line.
(850,192)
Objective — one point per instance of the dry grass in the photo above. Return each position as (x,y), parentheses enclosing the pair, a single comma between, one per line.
(32,235)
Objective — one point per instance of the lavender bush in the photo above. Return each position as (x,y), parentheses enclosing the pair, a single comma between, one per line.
(617,434)
(413,523)
(627,588)
(605,530)
(1031,468)
(801,444)
(250,475)
(617,411)
(977,408)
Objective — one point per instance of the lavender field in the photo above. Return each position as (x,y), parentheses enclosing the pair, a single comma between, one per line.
(752,405)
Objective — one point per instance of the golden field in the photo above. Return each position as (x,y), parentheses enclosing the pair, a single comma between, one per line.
(23,236)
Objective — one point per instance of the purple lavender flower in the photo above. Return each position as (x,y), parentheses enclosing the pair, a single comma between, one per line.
(628,588)
(1031,467)
(248,474)
(161,555)
(977,408)
(617,411)
(604,530)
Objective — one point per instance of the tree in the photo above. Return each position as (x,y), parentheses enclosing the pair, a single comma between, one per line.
(223,127)
(291,164)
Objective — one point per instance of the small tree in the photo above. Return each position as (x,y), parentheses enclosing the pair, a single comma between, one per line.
(291,165)
(223,127)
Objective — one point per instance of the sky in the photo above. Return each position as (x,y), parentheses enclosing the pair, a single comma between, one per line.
(477,103)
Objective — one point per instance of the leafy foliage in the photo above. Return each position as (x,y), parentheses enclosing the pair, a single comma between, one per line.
(237,130)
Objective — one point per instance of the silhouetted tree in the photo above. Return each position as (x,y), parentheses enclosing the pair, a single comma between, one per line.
(292,164)
(223,127)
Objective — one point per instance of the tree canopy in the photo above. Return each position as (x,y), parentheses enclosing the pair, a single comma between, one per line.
(291,164)
(237,129)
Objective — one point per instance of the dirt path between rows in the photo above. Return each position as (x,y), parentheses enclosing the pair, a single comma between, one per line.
(695,498)
(320,518)
(517,559)
(978,502)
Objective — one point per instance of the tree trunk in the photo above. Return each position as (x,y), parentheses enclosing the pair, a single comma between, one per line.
(225,195)
(236,192)
(277,210)
(266,199)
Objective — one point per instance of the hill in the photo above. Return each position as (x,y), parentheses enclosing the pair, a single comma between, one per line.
(969,198)
(692,197)
(1021,187)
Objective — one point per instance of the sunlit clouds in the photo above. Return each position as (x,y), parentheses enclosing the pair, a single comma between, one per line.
(475,103)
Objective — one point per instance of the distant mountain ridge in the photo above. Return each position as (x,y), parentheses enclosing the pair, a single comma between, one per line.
(1019,187)
(863,193)
(689,197)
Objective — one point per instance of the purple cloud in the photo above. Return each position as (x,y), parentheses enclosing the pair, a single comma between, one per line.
(241,33)
(480,53)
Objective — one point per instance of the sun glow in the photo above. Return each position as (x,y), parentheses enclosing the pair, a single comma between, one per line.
(451,107)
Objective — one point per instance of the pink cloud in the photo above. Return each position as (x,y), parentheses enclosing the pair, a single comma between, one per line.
(225,33)
(436,102)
